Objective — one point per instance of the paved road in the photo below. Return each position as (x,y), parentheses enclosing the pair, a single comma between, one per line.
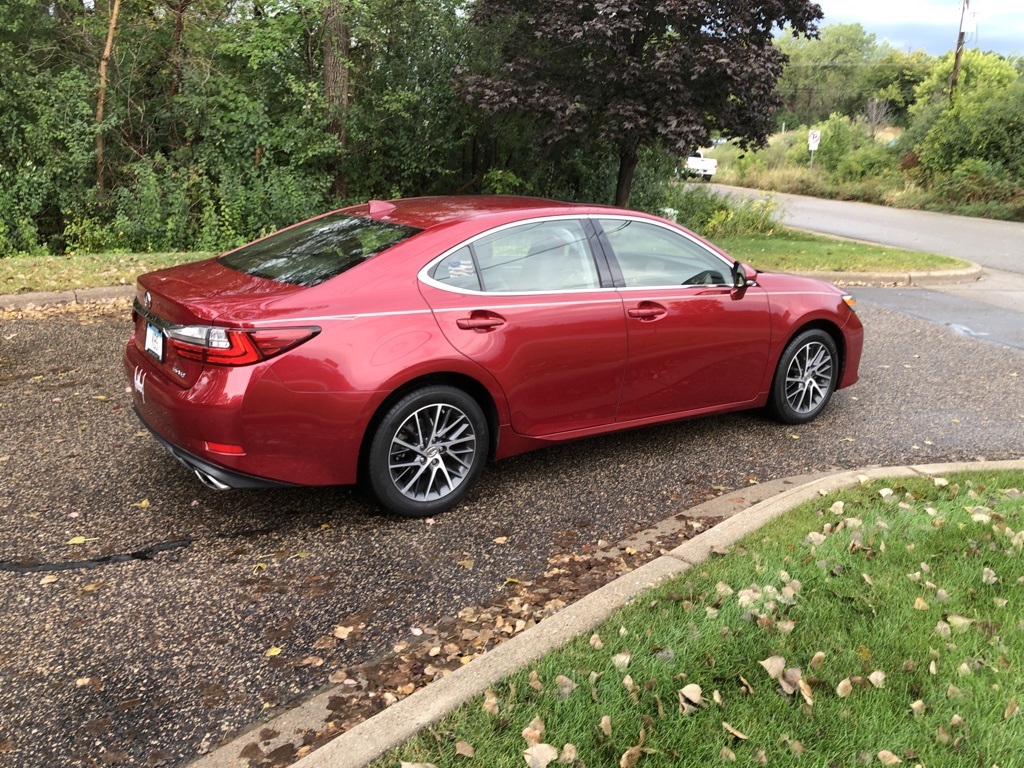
(156,658)
(995,244)
(989,309)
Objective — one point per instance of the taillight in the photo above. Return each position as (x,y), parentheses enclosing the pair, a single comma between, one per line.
(224,346)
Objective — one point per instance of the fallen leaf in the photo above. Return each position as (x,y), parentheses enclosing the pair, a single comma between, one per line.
(733,732)
(539,755)
(534,681)
(467,564)
(692,693)
(918,708)
(48,579)
(273,651)
(606,725)
(342,632)
(632,755)
(490,702)
(565,687)
(465,749)
(774,666)
(77,541)
(959,623)
(806,692)
(1011,709)
(621,660)
(534,732)
(500,540)
(595,642)
(877,678)
(568,755)
(727,754)
(144,504)
(404,764)
(920,604)
(844,689)
(885,757)
(817,661)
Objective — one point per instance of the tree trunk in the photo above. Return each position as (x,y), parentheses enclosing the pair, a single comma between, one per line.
(628,158)
(177,8)
(102,97)
(337,48)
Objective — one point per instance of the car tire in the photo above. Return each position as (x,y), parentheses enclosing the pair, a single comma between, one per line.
(427,451)
(805,377)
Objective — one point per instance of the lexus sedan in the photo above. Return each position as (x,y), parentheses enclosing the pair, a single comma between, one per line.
(402,344)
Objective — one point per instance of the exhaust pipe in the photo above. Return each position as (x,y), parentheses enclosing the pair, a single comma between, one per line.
(211,482)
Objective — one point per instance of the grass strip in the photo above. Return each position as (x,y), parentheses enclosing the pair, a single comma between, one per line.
(878,625)
(795,251)
(784,250)
(22,274)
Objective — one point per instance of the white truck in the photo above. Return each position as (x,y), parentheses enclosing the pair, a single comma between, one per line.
(698,165)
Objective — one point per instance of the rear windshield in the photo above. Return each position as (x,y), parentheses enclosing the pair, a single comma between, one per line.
(318,250)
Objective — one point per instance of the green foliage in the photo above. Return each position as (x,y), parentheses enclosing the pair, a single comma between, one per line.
(699,209)
(825,74)
(985,125)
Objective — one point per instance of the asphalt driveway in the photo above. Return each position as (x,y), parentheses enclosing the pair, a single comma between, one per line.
(142,611)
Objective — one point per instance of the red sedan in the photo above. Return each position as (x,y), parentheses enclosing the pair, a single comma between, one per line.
(404,343)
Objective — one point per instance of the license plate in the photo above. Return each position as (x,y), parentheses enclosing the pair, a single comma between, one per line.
(155,342)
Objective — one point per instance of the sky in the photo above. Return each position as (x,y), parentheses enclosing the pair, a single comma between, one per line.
(932,25)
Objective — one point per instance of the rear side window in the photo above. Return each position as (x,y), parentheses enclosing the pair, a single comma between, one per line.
(317,250)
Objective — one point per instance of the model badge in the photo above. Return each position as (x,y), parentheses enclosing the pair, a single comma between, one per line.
(147,300)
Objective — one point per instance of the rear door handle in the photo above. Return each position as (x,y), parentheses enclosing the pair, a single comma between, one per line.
(647,310)
(480,321)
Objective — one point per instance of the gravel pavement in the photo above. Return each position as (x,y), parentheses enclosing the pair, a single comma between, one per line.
(142,610)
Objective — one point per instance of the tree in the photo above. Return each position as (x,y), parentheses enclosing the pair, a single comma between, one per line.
(825,74)
(626,74)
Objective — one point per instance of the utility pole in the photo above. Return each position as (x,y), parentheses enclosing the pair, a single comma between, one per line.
(959,50)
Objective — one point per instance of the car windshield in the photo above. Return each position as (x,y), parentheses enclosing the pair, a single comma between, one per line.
(310,253)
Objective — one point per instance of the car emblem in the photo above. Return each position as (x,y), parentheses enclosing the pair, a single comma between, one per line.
(147,300)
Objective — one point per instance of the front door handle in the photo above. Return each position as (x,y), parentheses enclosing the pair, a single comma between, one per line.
(480,321)
(647,310)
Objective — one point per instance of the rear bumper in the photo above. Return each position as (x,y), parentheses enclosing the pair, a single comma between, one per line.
(212,475)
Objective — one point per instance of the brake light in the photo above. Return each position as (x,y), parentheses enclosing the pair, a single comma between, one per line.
(214,345)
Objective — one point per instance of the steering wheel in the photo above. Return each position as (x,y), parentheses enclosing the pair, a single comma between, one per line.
(706,277)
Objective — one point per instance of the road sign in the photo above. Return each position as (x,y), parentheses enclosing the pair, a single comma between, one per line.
(813,138)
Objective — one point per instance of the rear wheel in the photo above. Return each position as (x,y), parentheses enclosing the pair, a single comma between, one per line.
(805,378)
(427,451)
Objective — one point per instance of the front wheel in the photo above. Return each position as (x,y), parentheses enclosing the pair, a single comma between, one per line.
(427,451)
(805,378)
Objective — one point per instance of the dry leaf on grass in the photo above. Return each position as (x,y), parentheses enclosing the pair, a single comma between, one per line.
(539,755)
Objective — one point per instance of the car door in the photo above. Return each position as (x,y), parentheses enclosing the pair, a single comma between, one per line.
(695,342)
(528,303)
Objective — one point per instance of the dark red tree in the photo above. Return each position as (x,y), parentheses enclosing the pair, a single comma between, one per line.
(632,73)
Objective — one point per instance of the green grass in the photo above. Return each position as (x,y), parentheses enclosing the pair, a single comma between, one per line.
(784,250)
(884,591)
(20,274)
(793,251)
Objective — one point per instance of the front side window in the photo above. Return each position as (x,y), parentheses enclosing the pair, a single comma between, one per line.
(652,256)
(539,256)
(310,253)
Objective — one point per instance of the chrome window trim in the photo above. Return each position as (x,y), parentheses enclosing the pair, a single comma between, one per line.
(424,274)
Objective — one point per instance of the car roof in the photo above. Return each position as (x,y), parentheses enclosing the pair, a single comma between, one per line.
(426,212)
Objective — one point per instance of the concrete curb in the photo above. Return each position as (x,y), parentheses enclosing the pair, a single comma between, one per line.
(919,279)
(400,722)
(42,299)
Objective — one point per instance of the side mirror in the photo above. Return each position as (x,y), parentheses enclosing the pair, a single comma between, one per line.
(742,275)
